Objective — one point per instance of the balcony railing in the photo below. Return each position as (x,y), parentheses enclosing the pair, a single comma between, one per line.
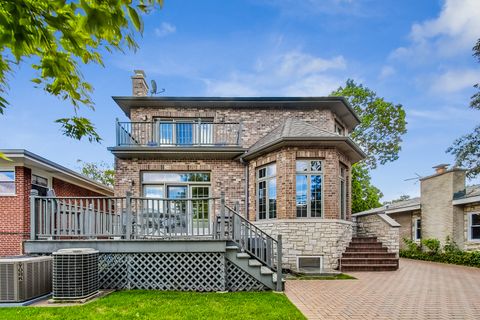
(178,133)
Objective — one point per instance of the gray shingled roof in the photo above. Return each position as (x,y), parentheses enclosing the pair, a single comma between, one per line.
(291,128)
(472,191)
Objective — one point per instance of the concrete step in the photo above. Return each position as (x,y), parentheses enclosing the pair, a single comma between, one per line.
(366,249)
(243,255)
(265,270)
(254,263)
(367,254)
(368,261)
(369,267)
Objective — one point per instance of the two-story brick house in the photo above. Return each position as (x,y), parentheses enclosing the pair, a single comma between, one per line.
(284,163)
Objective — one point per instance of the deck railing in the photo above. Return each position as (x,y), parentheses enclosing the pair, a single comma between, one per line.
(178,133)
(127,217)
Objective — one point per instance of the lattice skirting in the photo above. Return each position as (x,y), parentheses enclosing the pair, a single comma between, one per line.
(185,271)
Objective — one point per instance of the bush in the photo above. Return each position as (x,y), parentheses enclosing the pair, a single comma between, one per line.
(450,253)
(433,245)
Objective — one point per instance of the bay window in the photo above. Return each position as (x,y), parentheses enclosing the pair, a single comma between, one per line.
(309,189)
(343,191)
(267,192)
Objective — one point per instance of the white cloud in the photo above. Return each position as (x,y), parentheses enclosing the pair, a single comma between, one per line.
(386,72)
(455,80)
(453,31)
(165,29)
(289,74)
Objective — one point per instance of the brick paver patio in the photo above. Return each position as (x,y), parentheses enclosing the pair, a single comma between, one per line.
(418,290)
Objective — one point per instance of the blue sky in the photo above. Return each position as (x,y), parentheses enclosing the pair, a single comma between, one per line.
(417,53)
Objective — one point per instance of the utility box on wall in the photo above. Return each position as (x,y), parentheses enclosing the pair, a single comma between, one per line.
(24,278)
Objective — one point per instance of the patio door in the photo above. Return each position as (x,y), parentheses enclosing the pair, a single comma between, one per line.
(200,209)
(177,208)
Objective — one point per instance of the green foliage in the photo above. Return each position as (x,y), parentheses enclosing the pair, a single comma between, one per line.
(100,172)
(364,195)
(433,245)
(475,102)
(466,150)
(58,36)
(382,123)
(449,254)
(169,305)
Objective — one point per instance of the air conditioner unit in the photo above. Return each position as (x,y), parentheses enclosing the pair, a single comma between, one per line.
(75,274)
(24,278)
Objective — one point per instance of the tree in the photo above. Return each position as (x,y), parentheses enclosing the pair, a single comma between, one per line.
(98,171)
(466,149)
(382,123)
(364,195)
(57,36)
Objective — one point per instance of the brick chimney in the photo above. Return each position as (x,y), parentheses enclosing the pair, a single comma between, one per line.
(139,84)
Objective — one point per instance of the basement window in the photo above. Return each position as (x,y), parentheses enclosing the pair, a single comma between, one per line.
(310,264)
(474,227)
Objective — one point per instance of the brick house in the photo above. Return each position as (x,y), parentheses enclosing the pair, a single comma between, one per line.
(283,163)
(446,208)
(27,171)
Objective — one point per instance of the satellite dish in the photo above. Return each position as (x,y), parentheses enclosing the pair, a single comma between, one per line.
(154,88)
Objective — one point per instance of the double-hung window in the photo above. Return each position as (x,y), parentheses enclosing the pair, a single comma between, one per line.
(7,182)
(417,229)
(474,226)
(343,191)
(309,188)
(267,192)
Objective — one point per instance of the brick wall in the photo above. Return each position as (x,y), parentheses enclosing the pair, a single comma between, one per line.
(66,189)
(256,123)
(14,214)
(285,161)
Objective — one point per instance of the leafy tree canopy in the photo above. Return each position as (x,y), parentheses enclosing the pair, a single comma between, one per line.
(58,36)
(364,195)
(100,172)
(382,123)
(466,149)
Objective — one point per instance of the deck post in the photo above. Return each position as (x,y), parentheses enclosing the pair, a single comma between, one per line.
(279,263)
(128,206)
(222,215)
(33,231)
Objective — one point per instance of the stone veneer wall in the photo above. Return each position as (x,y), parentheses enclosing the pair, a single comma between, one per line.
(470,245)
(310,237)
(381,226)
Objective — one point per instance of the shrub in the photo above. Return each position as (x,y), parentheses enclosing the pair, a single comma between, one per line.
(433,245)
(450,253)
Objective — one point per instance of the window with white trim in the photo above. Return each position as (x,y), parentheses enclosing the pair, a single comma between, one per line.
(474,226)
(309,189)
(7,182)
(267,192)
(417,229)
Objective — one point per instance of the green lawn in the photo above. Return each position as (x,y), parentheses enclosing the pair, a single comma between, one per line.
(139,304)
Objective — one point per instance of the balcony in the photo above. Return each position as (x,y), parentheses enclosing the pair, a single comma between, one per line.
(193,138)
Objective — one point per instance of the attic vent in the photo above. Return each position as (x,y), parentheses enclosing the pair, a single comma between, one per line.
(25,278)
(75,273)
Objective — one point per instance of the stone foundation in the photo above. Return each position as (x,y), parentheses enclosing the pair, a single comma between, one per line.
(310,237)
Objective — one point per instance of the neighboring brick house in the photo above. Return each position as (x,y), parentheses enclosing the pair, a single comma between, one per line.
(27,171)
(445,208)
(284,163)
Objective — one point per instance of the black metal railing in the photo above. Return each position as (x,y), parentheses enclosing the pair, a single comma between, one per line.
(178,133)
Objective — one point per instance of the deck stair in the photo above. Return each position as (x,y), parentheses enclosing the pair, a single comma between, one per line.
(367,254)
(252,266)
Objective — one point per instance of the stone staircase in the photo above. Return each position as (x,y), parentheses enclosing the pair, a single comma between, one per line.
(367,254)
(252,266)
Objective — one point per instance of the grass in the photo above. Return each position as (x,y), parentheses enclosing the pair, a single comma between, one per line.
(341,276)
(140,304)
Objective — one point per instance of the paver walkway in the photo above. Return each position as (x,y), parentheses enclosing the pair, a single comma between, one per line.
(418,290)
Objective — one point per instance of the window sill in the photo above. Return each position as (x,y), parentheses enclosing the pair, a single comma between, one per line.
(8,195)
